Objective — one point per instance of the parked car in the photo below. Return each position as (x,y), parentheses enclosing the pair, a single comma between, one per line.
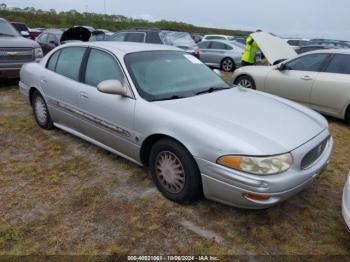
(107,32)
(346,203)
(318,79)
(297,42)
(182,40)
(309,48)
(339,44)
(49,39)
(197,38)
(98,36)
(218,37)
(221,54)
(15,50)
(22,29)
(195,132)
(34,33)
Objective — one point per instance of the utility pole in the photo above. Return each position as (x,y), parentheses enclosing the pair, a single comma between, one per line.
(104,6)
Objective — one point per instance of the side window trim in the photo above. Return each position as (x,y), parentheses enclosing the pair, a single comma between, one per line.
(48,61)
(86,59)
(59,55)
(326,62)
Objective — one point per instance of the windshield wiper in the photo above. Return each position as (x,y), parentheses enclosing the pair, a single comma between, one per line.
(212,89)
(168,98)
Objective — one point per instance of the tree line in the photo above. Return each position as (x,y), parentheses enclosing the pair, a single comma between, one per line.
(52,19)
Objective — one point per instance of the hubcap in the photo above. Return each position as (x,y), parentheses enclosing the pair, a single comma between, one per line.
(40,110)
(227,65)
(170,172)
(245,83)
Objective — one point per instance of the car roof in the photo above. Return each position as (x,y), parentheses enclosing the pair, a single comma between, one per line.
(53,30)
(125,47)
(332,51)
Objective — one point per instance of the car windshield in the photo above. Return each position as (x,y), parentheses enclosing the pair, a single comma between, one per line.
(180,39)
(7,30)
(162,75)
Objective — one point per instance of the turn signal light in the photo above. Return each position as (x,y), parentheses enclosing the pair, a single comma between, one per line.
(255,197)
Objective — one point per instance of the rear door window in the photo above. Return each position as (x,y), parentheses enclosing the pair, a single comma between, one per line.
(69,62)
(153,38)
(102,66)
(217,45)
(135,37)
(340,64)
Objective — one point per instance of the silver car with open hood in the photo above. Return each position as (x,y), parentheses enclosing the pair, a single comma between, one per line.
(161,107)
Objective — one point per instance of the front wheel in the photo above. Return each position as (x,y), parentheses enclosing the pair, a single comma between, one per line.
(228,65)
(41,113)
(175,172)
(246,82)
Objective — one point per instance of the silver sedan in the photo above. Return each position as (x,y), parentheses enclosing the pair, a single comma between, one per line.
(225,55)
(163,108)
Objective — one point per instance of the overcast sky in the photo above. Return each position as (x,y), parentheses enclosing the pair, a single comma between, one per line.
(294,18)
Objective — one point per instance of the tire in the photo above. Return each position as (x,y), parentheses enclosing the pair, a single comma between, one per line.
(41,113)
(228,65)
(347,116)
(245,81)
(183,186)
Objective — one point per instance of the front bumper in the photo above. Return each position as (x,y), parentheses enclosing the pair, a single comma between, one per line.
(228,186)
(346,204)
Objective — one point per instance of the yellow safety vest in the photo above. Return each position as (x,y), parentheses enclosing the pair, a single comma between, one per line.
(250,51)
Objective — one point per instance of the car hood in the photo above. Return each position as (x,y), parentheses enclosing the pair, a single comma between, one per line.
(274,48)
(267,124)
(18,41)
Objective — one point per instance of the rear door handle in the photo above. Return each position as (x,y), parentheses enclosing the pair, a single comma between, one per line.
(306,78)
(43,81)
(83,94)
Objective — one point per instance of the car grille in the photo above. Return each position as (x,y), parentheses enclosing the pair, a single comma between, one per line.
(14,55)
(313,155)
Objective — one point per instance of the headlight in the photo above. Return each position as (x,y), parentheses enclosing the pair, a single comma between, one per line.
(258,165)
(38,52)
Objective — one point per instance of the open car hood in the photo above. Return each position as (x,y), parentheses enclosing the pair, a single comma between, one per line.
(77,33)
(274,48)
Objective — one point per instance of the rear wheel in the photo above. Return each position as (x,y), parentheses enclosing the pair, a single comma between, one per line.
(245,81)
(228,65)
(175,172)
(41,113)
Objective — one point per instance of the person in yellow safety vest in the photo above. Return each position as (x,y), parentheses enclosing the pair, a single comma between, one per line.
(251,48)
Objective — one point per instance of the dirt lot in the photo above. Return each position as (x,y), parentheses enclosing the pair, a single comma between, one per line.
(61,195)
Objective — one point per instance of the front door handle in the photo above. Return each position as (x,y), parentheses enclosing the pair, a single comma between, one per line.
(83,95)
(307,78)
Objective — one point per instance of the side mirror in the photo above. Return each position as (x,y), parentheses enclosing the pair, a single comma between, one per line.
(24,33)
(281,67)
(114,87)
(217,71)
